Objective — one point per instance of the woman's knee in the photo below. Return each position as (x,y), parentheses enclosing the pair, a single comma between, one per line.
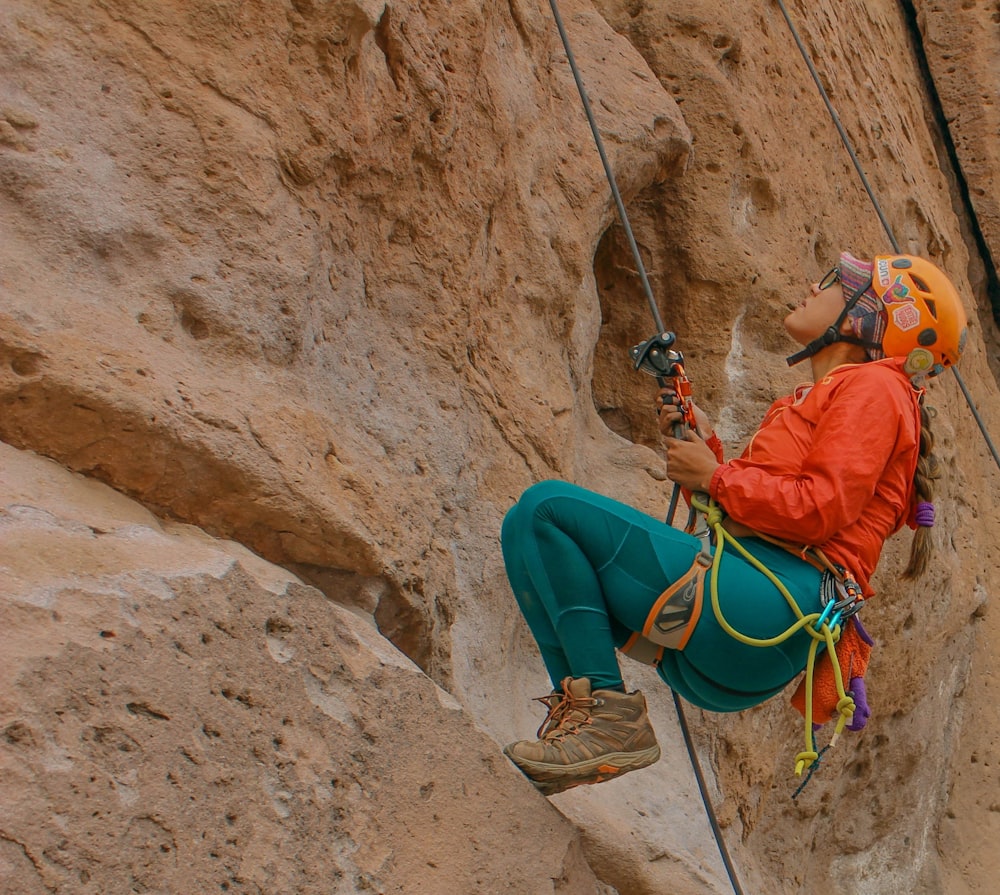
(531,504)
(539,494)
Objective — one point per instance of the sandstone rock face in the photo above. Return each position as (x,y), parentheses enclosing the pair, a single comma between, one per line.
(962,45)
(181,716)
(326,285)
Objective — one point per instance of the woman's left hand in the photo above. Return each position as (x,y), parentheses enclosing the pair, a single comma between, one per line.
(690,462)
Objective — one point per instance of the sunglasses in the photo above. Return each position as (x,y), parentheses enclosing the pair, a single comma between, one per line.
(831,279)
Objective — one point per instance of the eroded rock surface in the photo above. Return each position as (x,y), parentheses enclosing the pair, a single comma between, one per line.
(179,715)
(327,285)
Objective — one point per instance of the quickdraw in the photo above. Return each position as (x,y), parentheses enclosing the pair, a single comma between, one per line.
(841,596)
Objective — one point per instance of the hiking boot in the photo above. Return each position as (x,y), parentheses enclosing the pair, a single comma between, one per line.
(586,738)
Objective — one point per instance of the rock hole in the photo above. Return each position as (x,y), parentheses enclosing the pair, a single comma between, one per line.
(193,326)
(624,397)
(402,618)
(26,363)
(401,615)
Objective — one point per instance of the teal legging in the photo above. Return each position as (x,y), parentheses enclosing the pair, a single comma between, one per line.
(586,571)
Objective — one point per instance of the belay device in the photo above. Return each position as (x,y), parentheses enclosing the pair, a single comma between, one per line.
(659,358)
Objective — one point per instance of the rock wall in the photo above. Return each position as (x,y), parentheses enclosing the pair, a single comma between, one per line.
(182,716)
(317,288)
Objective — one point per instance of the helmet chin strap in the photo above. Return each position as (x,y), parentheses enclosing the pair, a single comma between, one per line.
(833,334)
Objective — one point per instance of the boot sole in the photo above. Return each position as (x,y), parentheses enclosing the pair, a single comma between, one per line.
(553,778)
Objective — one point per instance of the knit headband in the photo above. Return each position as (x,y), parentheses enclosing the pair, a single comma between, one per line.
(868,316)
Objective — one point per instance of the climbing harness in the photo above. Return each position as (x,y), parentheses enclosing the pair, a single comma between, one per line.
(842,598)
(675,614)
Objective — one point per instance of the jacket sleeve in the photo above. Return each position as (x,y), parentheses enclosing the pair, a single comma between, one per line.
(852,441)
(715,444)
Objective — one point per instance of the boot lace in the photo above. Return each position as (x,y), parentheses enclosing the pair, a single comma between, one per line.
(567,713)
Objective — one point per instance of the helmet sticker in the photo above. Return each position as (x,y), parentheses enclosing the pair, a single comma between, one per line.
(898,292)
(919,360)
(882,269)
(905,317)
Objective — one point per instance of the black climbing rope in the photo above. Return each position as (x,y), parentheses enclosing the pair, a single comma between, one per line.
(875,204)
(640,267)
(623,217)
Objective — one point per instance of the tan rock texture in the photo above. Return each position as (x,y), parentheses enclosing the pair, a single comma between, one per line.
(297,297)
(180,716)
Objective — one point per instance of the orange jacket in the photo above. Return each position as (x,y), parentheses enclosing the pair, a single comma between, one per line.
(832,466)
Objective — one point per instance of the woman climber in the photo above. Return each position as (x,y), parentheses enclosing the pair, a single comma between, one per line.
(797,525)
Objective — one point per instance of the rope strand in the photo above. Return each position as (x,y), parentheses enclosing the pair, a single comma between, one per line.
(840,128)
(623,216)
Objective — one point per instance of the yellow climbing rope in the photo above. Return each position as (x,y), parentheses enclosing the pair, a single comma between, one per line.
(814,624)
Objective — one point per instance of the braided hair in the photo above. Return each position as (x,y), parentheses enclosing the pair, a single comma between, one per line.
(928,470)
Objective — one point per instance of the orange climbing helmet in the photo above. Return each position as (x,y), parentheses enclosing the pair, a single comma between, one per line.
(924,318)
(898,306)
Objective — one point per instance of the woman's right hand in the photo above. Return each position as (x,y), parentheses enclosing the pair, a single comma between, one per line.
(669,413)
